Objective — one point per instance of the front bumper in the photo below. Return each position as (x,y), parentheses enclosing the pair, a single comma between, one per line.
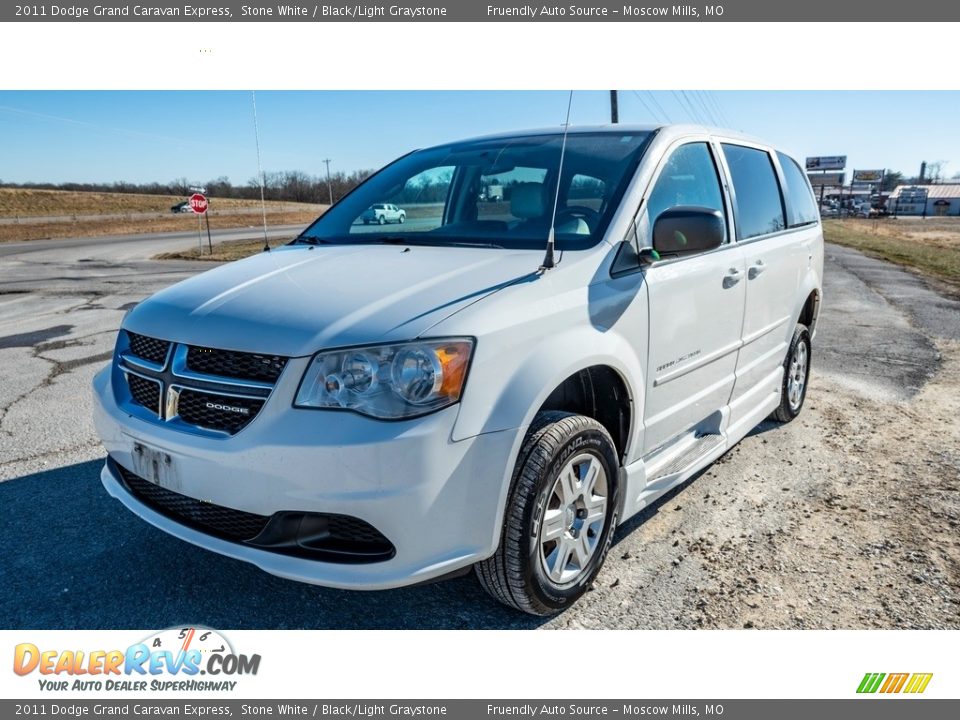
(437,501)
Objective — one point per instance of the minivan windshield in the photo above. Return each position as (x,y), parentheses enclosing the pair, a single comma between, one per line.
(491,193)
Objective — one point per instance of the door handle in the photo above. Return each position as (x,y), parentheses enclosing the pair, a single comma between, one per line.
(756,269)
(731,278)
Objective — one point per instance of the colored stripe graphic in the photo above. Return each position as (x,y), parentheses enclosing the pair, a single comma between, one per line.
(895,683)
(870,683)
(918,682)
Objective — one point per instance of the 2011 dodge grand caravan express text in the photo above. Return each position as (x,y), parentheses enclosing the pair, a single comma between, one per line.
(489,384)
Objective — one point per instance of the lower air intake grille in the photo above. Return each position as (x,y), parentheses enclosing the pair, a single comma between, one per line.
(214,519)
(317,536)
(217,412)
(144,392)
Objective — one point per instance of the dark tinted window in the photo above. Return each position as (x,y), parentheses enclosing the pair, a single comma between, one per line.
(759,206)
(689,178)
(803,208)
(493,192)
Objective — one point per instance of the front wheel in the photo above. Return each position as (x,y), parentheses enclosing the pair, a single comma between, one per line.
(796,373)
(403,219)
(560,516)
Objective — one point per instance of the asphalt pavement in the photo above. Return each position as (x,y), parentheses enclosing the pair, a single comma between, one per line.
(72,557)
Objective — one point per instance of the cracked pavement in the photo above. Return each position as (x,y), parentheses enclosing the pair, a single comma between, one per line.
(845,518)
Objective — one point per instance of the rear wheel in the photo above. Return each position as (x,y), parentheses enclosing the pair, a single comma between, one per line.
(382,220)
(796,373)
(560,516)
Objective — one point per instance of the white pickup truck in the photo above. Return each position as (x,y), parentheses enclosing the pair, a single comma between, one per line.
(494,387)
(383,213)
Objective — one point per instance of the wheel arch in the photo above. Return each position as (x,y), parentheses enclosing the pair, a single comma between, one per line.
(546,380)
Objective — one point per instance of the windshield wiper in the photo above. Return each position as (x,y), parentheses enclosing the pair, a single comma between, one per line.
(401,240)
(310,240)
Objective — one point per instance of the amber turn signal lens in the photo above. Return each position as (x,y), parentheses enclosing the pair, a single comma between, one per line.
(453,358)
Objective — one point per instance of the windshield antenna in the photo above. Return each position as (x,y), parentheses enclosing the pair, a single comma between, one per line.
(548,259)
(263,202)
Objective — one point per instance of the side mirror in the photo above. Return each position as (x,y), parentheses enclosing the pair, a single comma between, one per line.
(686,230)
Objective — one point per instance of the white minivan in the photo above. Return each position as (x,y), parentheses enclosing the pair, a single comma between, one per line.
(494,386)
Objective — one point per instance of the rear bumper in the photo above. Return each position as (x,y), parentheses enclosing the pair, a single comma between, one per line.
(437,501)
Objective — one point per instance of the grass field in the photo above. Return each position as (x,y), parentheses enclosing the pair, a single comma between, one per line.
(223,252)
(85,211)
(930,246)
(173,223)
(18,202)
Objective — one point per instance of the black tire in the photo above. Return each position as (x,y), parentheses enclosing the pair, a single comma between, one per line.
(515,575)
(800,342)
(381,220)
(403,219)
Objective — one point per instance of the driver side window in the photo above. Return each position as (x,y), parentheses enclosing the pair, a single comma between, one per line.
(689,178)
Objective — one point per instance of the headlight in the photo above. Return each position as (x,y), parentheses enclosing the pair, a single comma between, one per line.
(388,381)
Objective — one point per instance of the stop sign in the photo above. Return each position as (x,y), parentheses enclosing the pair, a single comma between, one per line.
(198,203)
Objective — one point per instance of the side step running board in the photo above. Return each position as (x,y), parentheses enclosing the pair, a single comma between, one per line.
(701,447)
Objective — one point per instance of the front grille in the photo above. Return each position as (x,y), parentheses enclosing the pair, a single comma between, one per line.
(148,348)
(217,412)
(215,519)
(231,364)
(318,536)
(212,390)
(144,392)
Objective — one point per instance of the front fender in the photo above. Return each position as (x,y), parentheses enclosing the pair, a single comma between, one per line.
(503,394)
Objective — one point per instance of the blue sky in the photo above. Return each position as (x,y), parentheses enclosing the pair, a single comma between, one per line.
(108,136)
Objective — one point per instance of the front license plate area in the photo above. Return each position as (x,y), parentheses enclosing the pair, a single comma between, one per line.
(156,466)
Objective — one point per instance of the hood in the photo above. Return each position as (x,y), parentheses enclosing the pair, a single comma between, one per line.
(297,300)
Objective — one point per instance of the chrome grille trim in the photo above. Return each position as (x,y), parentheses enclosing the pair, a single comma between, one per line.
(180,369)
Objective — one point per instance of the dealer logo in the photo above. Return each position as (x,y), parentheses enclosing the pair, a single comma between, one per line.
(172,659)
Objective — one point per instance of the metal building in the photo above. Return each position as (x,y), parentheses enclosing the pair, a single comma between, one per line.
(926,200)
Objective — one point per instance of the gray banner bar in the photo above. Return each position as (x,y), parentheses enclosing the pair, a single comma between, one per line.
(489,10)
(868,708)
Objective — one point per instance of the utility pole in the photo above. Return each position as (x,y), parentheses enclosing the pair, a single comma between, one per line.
(614,108)
(329,186)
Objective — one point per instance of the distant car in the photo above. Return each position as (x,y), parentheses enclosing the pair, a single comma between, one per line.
(182,207)
(383,213)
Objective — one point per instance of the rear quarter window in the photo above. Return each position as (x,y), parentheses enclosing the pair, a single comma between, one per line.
(758,199)
(801,206)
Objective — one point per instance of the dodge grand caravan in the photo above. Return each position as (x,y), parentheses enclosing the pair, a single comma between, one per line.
(487,385)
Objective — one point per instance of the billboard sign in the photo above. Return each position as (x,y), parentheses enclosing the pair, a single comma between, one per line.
(867,176)
(827,162)
(826,179)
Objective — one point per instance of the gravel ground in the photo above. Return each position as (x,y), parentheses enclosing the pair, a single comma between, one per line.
(845,518)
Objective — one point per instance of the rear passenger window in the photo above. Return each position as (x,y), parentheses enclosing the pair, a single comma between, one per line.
(688,179)
(759,204)
(803,208)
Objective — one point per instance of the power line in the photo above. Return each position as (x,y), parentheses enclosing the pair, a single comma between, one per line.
(693,107)
(653,99)
(723,113)
(698,95)
(686,106)
(645,106)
